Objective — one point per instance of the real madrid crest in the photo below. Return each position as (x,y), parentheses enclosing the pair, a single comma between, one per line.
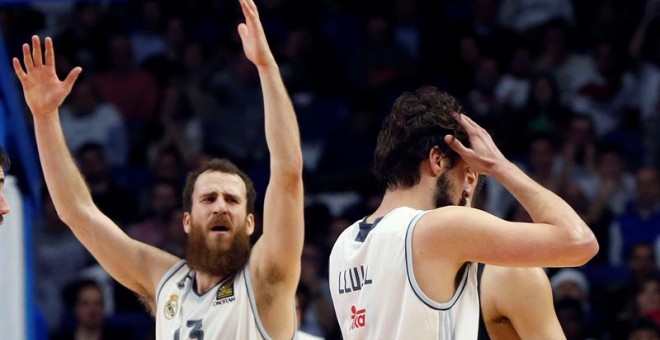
(172,306)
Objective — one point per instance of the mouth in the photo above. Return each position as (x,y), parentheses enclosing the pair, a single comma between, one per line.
(219,229)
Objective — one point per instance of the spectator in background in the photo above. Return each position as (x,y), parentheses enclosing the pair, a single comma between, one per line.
(86,300)
(175,126)
(609,183)
(105,190)
(147,39)
(83,39)
(559,57)
(644,329)
(152,228)
(88,119)
(381,64)
(573,320)
(59,258)
(570,283)
(622,305)
(513,87)
(302,301)
(524,15)
(643,302)
(319,318)
(118,86)
(544,111)
(606,93)
(640,221)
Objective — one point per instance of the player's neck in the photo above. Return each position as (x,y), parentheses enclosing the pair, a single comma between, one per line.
(416,197)
(204,282)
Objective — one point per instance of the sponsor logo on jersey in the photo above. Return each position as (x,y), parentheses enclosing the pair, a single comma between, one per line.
(172,306)
(353,279)
(358,317)
(225,293)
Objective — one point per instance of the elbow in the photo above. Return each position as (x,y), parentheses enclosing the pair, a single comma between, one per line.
(585,246)
(73,215)
(291,169)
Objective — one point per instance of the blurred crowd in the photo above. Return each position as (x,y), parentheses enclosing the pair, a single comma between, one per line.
(570,90)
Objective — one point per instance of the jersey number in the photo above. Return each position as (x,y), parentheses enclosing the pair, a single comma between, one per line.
(196,331)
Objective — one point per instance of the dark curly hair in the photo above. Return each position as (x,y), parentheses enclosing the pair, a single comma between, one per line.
(418,122)
(221,165)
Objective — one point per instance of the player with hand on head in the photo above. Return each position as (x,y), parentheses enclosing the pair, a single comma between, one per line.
(408,270)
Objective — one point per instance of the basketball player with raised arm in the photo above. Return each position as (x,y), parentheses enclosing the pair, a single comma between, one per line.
(223,289)
(408,270)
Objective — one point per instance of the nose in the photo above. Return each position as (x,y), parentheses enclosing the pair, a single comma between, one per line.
(4,206)
(220,206)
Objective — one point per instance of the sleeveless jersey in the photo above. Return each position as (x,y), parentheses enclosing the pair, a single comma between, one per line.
(226,311)
(376,295)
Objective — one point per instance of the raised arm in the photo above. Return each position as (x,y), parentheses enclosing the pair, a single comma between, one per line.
(558,236)
(517,304)
(277,253)
(134,264)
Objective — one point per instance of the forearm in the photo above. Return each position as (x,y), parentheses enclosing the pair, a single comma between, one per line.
(66,185)
(542,205)
(281,125)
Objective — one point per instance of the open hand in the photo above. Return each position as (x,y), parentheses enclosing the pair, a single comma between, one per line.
(43,91)
(253,37)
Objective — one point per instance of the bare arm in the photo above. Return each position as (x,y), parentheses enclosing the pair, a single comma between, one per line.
(275,258)
(277,254)
(558,236)
(134,264)
(518,300)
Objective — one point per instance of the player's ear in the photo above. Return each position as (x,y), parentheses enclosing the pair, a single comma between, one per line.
(249,225)
(186,222)
(436,160)
(470,183)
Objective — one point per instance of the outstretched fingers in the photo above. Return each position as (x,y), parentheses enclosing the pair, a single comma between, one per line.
(72,77)
(249,9)
(18,69)
(50,52)
(27,58)
(37,56)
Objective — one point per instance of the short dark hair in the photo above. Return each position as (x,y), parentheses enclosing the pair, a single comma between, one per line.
(418,122)
(5,162)
(221,165)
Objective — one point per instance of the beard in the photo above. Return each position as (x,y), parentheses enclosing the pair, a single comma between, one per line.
(217,259)
(441,196)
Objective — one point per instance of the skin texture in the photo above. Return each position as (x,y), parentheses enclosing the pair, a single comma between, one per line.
(275,258)
(517,304)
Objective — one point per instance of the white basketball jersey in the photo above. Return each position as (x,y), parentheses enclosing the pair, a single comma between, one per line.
(376,295)
(227,311)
